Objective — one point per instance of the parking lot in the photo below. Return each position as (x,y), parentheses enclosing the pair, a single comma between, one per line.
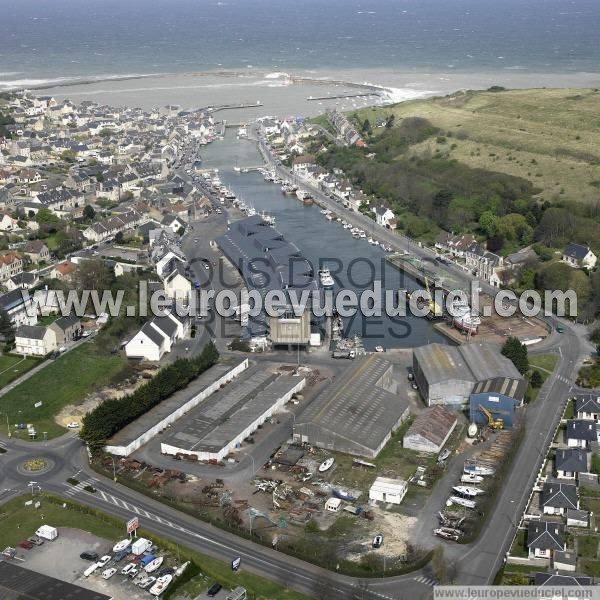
(60,559)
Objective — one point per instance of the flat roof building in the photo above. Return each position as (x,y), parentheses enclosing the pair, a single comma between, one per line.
(449,374)
(219,424)
(18,583)
(356,414)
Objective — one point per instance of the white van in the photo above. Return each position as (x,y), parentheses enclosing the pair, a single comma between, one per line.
(238,594)
(90,569)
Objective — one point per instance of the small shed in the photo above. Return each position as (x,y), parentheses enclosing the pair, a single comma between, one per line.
(565,560)
(577,518)
(386,489)
(333,504)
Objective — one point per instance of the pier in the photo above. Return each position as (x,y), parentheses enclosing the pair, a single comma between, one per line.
(342,96)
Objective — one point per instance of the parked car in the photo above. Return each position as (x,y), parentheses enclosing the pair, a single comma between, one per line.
(119,556)
(26,544)
(147,582)
(214,589)
(127,568)
(378,541)
(36,541)
(89,555)
(444,454)
(133,572)
(108,573)
(104,560)
(73,425)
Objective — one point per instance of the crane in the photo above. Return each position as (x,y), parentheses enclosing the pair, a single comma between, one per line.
(492,423)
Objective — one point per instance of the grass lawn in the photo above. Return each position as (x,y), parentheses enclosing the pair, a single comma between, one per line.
(518,548)
(12,367)
(18,522)
(589,567)
(47,320)
(66,381)
(587,546)
(547,362)
(590,504)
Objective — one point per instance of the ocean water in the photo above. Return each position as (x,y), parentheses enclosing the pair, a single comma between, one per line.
(62,40)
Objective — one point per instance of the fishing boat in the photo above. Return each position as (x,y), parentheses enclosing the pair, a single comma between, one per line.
(461,502)
(121,545)
(463,319)
(325,277)
(326,465)
(343,495)
(161,585)
(155,564)
(468,491)
(470,478)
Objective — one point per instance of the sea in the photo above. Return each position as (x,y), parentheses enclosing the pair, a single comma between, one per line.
(280,53)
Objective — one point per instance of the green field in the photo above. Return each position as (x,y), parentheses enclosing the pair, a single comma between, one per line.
(549,136)
(12,367)
(546,362)
(18,522)
(66,381)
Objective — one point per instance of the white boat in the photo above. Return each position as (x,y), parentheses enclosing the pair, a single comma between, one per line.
(468,491)
(470,478)
(461,502)
(463,318)
(237,169)
(155,564)
(179,571)
(161,585)
(379,349)
(473,469)
(326,465)
(325,277)
(121,545)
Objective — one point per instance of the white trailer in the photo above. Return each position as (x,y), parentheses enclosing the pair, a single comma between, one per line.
(140,546)
(47,532)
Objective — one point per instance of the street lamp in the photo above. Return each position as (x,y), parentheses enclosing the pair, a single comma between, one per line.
(114,469)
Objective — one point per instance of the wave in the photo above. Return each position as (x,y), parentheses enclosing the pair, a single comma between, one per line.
(40,84)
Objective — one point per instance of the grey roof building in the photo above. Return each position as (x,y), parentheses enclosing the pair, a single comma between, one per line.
(356,414)
(556,580)
(545,535)
(449,374)
(430,430)
(587,406)
(581,432)
(557,497)
(568,462)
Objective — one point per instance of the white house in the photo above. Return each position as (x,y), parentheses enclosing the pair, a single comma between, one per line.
(383,216)
(19,306)
(388,490)
(148,343)
(577,255)
(7,223)
(558,497)
(176,285)
(544,538)
(581,433)
(34,340)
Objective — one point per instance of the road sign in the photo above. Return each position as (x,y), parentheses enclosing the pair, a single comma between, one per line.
(132,524)
(235,563)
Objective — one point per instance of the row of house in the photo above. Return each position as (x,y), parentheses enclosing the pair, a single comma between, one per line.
(37,340)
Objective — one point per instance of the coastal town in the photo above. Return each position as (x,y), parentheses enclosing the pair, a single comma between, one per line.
(279,442)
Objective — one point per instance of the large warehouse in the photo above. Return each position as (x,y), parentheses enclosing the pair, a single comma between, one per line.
(269,263)
(214,428)
(358,413)
(449,374)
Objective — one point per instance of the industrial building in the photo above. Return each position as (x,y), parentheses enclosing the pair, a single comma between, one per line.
(358,413)
(269,263)
(214,428)
(144,428)
(450,374)
(430,430)
(499,397)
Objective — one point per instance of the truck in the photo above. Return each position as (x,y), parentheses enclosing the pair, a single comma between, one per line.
(46,532)
(344,354)
(140,546)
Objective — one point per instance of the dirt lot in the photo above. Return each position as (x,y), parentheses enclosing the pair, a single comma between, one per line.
(60,559)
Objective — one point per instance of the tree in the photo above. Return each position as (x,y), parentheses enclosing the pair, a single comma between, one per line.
(389,123)
(88,212)
(536,379)
(7,330)
(366,126)
(119,237)
(488,222)
(94,275)
(46,217)
(517,353)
